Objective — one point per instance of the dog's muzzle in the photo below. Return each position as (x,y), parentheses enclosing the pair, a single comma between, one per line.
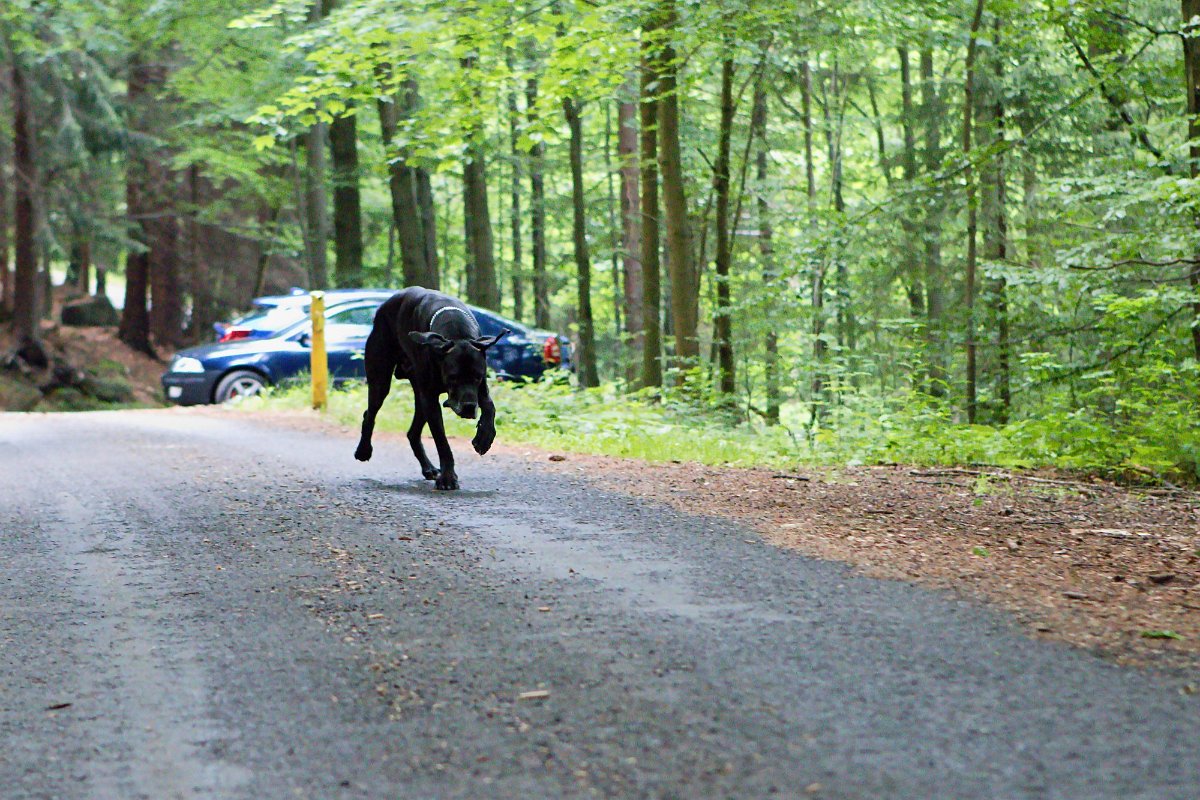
(464,410)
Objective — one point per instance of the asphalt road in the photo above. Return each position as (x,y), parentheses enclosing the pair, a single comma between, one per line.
(204,607)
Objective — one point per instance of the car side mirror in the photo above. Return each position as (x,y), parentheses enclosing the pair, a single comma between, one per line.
(305,340)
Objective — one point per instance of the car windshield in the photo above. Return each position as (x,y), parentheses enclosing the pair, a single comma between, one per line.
(271,318)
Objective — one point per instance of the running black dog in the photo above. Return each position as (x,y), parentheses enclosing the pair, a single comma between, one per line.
(433,340)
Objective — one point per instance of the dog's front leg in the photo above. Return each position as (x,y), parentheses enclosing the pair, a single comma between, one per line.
(485,431)
(447,478)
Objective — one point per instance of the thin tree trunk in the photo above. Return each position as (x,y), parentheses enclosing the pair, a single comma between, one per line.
(426,206)
(820,348)
(347,204)
(935,293)
(135,317)
(972,210)
(685,297)
(6,175)
(613,229)
(402,186)
(482,288)
(26,289)
(316,206)
(758,125)
(651,274)
(537,213)
(908,217)
(631,234)
(726,376)
(518,268)
(1191,61)
(992,112)
(583,266)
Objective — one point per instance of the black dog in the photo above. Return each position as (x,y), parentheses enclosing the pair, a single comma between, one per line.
(433,340)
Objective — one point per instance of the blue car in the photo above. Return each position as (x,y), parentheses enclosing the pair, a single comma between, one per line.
(223,371)
(271,314)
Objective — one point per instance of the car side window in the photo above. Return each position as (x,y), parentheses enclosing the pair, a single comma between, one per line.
(362,315)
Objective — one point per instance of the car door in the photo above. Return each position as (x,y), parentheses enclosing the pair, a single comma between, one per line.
(346,332)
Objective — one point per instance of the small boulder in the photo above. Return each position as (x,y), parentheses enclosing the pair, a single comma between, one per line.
(90,311)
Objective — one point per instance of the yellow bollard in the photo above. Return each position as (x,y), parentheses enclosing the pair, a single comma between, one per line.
(319,360)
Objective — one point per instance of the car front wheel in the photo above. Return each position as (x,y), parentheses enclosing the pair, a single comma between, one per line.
(235,385)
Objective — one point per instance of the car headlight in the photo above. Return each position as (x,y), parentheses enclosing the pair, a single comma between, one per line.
(186,364)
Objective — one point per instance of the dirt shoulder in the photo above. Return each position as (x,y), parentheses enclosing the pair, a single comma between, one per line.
(1089,563)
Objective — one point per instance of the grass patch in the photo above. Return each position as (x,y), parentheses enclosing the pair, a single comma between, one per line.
(904,429)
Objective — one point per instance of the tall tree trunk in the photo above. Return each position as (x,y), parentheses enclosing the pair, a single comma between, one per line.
(135,317)
(631,233)
(514,220)
(316,199)
(402,185)
(614,232)
(162,233)
(995,241)
(770,277)
(316,206)
(685,298)
(726,377)
(972,210)
(26,289)
(6,175)
(651,272)
(583,266)
(908,216)
(537,213)
(425,205)
(482,287)
(1191,62)
(819,386)
(935,292)
(347,205)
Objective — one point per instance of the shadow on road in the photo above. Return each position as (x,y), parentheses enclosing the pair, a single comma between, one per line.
(424,487)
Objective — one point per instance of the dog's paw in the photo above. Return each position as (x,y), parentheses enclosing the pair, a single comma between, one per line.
(447,481)
(483,441)
(431,474)
(363,453)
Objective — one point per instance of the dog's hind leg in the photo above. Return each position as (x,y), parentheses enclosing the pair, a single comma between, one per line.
(380,363)
(428,471)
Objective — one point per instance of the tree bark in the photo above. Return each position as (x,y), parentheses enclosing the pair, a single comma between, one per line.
(770,277)
(726,377)
(26,288)
(935,293)
(537,213)
(685,300)
(347,204)
(992,114)
(631,234)
(134,329)
(972,210)
(518,268)
(402,185)
(316,206)
(482,287)
(583,267)
(6,175)
(909,218)
(1191,61)
(818,387)
(651,274)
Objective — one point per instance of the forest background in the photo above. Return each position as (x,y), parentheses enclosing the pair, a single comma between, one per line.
(953,231)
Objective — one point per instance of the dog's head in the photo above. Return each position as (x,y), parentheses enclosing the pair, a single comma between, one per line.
(463,365)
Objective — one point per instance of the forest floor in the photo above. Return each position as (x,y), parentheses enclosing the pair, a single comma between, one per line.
(130,376)
(1080,560)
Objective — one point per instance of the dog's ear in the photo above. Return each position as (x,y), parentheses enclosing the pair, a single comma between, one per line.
(484,342)
(431,339)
